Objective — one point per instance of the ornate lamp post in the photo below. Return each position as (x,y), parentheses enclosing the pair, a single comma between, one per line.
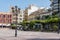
(2,21)
(58,12)
(16,10)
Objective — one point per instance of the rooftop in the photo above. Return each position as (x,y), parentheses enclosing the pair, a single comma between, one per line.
(5,13)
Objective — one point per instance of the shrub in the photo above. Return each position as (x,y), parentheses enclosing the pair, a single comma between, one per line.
(13,26)
(55,27)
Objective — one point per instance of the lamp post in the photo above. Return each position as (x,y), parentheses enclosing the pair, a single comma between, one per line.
(16,10)
(58,13)
(2,21)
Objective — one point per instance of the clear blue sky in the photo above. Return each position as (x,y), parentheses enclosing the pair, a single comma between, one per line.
(5,4)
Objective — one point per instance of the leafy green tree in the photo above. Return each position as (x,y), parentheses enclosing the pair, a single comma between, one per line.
(13,26)
(55,27)
(31,24)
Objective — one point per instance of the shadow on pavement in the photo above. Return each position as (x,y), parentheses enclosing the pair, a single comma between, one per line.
(42,39)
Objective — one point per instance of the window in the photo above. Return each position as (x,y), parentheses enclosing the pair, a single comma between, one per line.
(14,22)
(10,19)
(20,18)
(0,16)
(14,14)
(14,18)
(3,21)
(20,15)
(3,16)
(55,8)
(55,5)
(0,21)
(55,1)
(10,16)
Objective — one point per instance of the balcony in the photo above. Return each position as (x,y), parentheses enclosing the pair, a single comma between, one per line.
(51,0)
(55,10)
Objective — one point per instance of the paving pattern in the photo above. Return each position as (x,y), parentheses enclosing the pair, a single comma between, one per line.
(8,34)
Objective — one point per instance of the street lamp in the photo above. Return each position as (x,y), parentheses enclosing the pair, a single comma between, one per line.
(16,10)
(58,13)
(2,21)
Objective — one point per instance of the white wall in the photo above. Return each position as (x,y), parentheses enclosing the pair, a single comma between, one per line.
(32,9)
(21,13)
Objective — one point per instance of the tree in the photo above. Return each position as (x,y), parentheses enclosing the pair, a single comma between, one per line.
(13,26)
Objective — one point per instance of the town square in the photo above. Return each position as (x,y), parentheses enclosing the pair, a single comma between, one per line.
(29,19)
(8,34)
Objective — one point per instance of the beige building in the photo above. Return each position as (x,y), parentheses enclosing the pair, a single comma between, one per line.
(19,15)
(25,16)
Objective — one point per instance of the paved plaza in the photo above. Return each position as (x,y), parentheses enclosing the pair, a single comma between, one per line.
(8,34)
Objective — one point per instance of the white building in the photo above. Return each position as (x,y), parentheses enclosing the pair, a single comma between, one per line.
(32,8)
(40,14)
(20,16)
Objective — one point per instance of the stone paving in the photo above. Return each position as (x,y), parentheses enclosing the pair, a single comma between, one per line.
(8,34)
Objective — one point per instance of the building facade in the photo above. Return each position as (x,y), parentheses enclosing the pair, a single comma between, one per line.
(25,16)
(55,6)
(39,14)
(31,8)
(5,18)
(19,15)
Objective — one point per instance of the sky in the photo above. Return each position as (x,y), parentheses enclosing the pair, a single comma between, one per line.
(6,4)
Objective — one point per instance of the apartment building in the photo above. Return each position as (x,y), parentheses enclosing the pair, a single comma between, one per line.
(5,18)
(19,15)
(31,8)
(39,14)
(25,16)
(55,6)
